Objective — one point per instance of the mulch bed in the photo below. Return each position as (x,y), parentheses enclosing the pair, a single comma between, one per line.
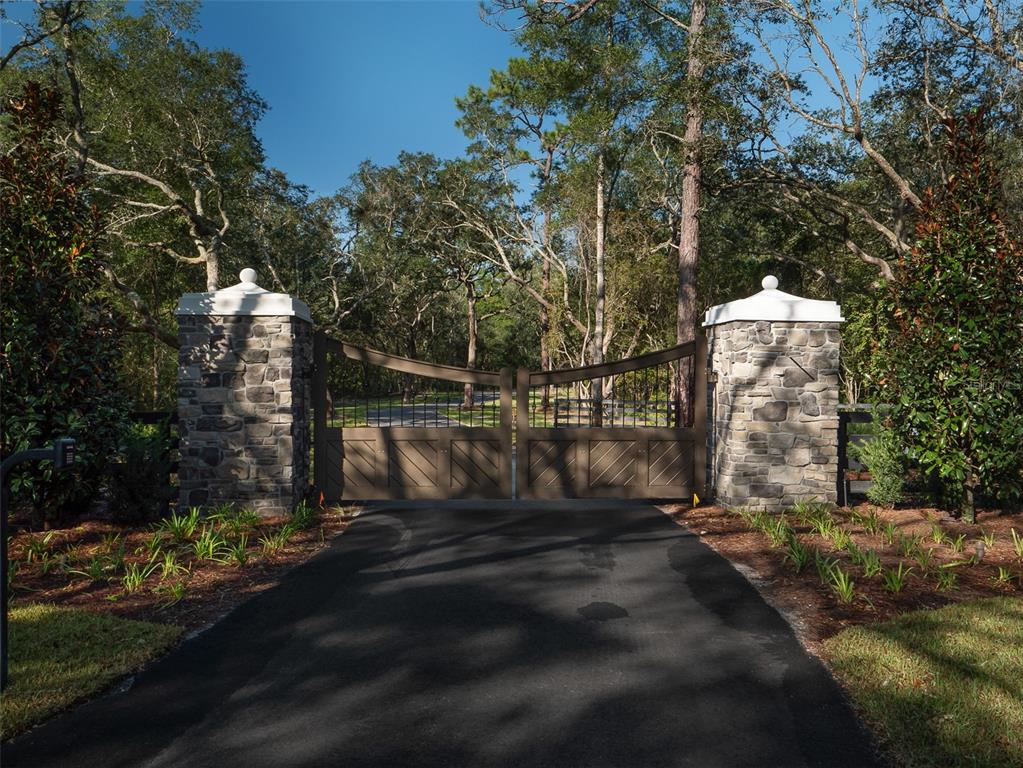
(813,609)
(213,589)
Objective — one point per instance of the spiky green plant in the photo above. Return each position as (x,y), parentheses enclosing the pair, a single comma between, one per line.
(210,544)
(13,566)
(871,563)
(1017,543)
(304,516)
(841,584)
(38,547)
(746,514)
(1004,575)
(907,545)
(804,511)
(173,592)
(840,538)
(872,522)
(855,553)
(94,569)
(924,559)
(946,580)
(181,527)
(888,533)
(798,553)
(824,566)
(170,567)
(135,575)
(238,551)
(895,579)
(152,545)
(777,531)
(275,541)
(822,525)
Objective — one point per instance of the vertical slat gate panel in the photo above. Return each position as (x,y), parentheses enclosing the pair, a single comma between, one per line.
(582,467)
(522,435)
(507,435)
(444,463)
(642,465)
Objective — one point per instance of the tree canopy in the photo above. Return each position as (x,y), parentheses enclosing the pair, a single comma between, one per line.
(637,162)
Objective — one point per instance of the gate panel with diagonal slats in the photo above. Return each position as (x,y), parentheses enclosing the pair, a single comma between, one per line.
(423,446)
(618,430)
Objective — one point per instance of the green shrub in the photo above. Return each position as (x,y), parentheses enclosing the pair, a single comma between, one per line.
(138,479)
(884,458)
(954,311)
(60,340)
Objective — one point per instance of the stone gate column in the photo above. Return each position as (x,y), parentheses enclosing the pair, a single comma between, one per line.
(245,361)
(774,411)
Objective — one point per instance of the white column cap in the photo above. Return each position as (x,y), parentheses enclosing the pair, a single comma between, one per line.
(774,305)
(245,298)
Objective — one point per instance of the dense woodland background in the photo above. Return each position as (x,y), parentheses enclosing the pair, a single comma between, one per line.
(639,162)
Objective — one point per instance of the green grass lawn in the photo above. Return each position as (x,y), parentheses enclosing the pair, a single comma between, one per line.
(61,655)
(942,687)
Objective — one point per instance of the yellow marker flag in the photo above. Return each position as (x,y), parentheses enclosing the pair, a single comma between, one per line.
(696,500)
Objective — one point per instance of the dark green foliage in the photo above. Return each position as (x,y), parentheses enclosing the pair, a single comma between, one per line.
(138,487)
(864,333)
(884,457)
(60,340)
(951,366)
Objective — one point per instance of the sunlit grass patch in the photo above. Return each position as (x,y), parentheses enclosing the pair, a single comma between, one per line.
(943,687)
(61,655)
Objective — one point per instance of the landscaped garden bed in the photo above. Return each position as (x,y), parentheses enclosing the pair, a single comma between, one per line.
(860,587)
(99,579)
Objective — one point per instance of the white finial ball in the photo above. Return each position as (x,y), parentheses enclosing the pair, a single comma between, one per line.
(248,275)
(769,283)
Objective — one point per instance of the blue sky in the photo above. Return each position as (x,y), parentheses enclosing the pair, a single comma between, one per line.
(347,81)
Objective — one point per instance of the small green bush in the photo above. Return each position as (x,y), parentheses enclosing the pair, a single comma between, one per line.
(884,458)
(137,484)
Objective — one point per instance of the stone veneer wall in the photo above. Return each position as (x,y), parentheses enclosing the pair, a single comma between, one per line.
(775,412)
(243,411)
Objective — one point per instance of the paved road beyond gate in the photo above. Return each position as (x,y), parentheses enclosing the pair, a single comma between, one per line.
(406,429)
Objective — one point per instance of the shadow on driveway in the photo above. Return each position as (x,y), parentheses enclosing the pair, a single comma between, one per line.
(497,634)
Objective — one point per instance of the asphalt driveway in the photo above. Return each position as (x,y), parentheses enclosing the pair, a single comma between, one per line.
(562,635)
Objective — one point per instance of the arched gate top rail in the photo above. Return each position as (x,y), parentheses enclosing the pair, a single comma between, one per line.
(587,372)
(408,365)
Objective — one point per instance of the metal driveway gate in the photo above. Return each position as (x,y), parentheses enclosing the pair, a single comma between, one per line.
(405,429)
(617,430)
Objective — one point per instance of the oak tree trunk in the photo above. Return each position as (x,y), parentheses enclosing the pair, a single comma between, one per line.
(212,262)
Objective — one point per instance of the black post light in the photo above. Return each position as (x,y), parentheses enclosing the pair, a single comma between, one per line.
(62,454)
